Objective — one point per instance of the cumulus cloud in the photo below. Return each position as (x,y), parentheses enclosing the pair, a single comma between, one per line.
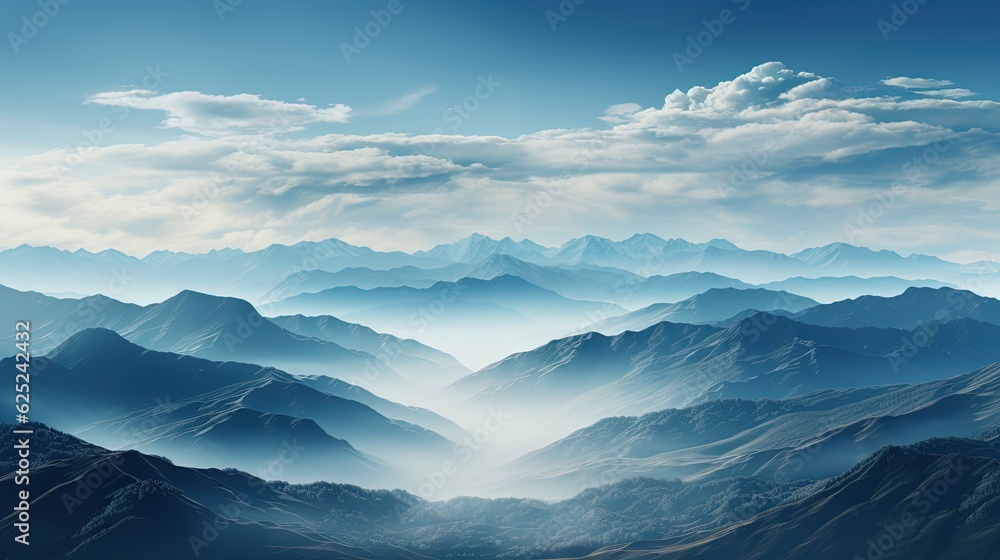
(775,158)
(220,115)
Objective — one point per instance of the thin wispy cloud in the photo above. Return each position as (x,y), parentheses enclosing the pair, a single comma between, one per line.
(916,83)
(404,102)
(949,93)
(220,115)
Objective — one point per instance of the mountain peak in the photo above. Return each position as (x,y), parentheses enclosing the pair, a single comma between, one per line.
(93,342)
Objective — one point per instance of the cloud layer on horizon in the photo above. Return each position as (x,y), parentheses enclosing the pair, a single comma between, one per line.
(774,158)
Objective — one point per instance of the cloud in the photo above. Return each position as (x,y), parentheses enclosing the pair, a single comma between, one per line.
(949,93)
(773,158)
(220,115)
(806,90)
(916,83)
(405,102)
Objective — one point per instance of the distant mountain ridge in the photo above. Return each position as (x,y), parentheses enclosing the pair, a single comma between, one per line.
(250,275)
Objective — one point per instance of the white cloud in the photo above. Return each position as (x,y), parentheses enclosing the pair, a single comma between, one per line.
(949,93)
(806,90)
(916,83)
(221,115)
(772,158)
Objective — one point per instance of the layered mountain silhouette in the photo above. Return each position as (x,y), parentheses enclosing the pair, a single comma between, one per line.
(713,305)
(460,317)
(828,289)
(912,308)
(646,397)
(206,413)
(587,283)
(230,329)
(935,499)
(250,275)
(931,500)
(762,356)
(812,437)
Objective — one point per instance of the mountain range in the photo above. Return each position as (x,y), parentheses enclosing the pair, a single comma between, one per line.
(462,317)
(206,413)
(935,498)
(223,328)
(811,437)
(251,275)
(762,355)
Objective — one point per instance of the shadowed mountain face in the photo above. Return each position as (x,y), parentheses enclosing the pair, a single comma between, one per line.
(932,500)
(106,502)
(936,497)
(230,329)
(830,289)
(912,308)
(811,437)
(713,305)
(763,356)
(207,413)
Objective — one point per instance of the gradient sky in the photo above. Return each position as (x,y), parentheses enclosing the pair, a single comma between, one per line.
(257,129)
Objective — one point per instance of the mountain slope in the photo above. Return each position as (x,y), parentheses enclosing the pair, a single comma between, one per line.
(828,289)
(420,365)
(212,327)
(713,305)
(217,414)
(912,308)
(569,382)
(934,500)
(810,437)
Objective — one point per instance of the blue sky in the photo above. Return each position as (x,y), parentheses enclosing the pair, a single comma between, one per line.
(360,152)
